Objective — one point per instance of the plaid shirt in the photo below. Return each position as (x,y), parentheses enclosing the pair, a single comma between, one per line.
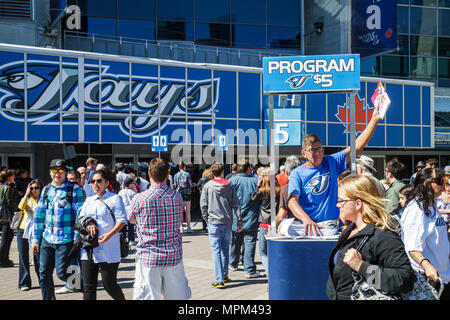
(182,182)
(158,212)
(54,220)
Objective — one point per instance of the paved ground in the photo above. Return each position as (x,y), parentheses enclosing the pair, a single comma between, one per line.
(197,263)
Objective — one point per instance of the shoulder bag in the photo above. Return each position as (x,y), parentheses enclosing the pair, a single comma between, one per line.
(124,246)
(423,289)
(361,290)
(16,220)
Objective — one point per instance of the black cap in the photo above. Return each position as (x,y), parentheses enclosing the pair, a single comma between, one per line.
(58,163)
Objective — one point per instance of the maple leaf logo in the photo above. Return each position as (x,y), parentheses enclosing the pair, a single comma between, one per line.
(361,108)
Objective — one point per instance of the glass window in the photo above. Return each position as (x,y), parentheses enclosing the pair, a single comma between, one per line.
(423,67)
(444,22)
(137,9)
(212,11)
(423,20)
(249,36)
(175,30)
(444,68)
(140,29)
(403,44)
(444,47)
(249,11)
(283,37)
(423,45)
(395,66)
(176,10)
(429,3)
(370,67)
(103,26)
(99,8)
(402,19)
(444,3)
(283,12)
(214,34)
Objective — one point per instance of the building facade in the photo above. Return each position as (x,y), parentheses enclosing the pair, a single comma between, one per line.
(212,82)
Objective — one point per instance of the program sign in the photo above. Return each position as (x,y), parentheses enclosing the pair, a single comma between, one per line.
(335,73)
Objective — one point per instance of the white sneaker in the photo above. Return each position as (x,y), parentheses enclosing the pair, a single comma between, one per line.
(64,290)
(252,275)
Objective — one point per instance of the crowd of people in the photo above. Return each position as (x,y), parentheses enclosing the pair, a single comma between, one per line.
(399,231)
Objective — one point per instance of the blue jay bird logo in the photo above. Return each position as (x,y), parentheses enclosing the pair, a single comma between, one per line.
(298,81)
(318,184)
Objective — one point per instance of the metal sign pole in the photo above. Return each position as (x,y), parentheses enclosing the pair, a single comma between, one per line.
(273,168)
(352,132)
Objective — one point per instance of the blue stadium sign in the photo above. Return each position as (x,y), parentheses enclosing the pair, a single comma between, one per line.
(159,143)
(336,73)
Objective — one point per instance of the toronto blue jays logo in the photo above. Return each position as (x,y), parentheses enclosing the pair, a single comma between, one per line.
(298,81)
(46,84)
(318,184)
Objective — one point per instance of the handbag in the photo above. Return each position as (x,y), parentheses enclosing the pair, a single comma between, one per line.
(5,213)
(124,246)
(16,220)
(423,289)
(361,290)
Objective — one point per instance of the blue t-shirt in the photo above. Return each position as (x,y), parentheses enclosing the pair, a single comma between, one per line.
(318,187)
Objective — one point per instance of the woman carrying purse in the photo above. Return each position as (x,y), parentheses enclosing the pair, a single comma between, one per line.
(27,205)
(105,257)
(370,247)
(424,231)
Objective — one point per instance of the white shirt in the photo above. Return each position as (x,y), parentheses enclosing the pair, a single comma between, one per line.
(144,184)
(110,250)
(127,195)
(427,234)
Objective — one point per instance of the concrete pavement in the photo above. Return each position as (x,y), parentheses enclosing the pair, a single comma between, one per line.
(197,263)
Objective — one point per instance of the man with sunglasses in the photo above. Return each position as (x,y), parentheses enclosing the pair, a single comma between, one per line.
(313,185)
(54,221)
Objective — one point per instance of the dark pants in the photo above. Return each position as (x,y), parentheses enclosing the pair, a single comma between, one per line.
(130,231)
(52,256)
(89,271)
(246,239)
(24,261)
(5,243)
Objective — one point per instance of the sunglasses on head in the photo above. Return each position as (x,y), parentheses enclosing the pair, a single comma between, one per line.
(93,181)
(57,171)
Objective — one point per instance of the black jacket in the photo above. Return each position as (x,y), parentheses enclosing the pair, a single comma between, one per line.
(264,200)
(85,240)
(384,250)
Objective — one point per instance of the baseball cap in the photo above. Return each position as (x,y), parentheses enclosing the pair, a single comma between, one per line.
(58,163)
(366,162)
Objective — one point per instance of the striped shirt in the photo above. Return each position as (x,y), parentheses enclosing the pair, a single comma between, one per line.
(54,219)
(158,212)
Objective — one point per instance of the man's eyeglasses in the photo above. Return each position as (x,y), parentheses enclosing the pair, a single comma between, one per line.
(93,181)
(313,150)
(57,171)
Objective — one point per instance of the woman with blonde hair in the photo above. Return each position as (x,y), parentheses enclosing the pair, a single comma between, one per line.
(261,195)
(381,259)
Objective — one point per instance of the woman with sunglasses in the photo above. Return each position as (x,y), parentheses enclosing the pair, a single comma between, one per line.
(381,260)
(106,257)
(424,231)
(27,205)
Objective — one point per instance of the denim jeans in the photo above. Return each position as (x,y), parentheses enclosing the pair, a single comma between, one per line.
(23,248)
(263,249)
(219,241)
(248,240)
(52,256)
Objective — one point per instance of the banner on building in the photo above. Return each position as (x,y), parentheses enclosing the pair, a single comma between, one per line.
(373,27)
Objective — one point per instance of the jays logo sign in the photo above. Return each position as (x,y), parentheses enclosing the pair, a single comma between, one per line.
(337,73)
(362,110)
(46,83)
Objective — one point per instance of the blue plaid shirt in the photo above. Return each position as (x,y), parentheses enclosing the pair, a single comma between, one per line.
(182,182)
(54,219)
